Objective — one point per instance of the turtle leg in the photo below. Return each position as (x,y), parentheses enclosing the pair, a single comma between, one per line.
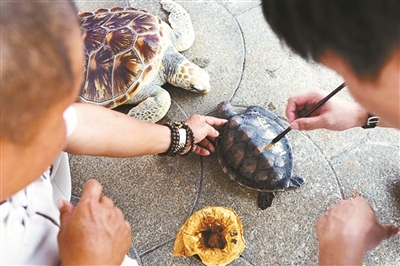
(151,106)
(296,181)
(180,72)
(265,199)
(182,35)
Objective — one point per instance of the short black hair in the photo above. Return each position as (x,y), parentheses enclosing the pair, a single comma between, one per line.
(364,33)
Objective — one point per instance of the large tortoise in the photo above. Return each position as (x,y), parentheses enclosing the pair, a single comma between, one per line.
(243,158)
(130,53)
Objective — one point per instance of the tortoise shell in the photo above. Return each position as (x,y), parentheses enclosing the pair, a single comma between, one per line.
(123,48)
(241,151)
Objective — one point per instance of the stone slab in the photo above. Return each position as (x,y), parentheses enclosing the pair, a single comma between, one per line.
(248,66)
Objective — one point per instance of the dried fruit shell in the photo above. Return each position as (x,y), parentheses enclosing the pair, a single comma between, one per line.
(215,234)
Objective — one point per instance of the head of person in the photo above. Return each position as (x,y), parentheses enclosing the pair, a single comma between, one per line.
(41,71)
(358,39)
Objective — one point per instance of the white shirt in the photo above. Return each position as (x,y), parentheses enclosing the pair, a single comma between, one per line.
(30,220)
(29,226)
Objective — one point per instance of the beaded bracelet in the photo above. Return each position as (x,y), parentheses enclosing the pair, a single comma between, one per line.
(174,140)
(176,147)
(189,147)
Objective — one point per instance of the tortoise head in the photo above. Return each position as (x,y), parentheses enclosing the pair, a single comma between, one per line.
(180,72)
(199,80)
(224,110)
(192,78)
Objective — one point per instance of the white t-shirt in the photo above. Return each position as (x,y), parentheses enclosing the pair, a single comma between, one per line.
(30,220)
(29,226)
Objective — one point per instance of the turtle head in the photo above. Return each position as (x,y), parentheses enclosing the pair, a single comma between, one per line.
(225,110)
(180,72)
(195,79)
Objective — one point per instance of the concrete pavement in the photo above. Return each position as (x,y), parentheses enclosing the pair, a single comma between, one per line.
(248,66)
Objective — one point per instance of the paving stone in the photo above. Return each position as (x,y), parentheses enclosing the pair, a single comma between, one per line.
(219,49)
(156,193)
(248,66)
(373,171)
(284,233)
(92,5)
(238,7)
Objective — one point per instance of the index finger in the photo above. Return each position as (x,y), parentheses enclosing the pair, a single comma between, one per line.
(213,121)
(300,101)
(291,108)
(389,230)
(92,189)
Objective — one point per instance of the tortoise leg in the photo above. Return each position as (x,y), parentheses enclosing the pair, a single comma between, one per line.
(181,24)
(265,199)
(296,181)
(152,106)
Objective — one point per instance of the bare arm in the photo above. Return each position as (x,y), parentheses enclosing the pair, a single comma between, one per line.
(103,132)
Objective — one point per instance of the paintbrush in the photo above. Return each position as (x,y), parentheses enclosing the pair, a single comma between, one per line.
(308,113)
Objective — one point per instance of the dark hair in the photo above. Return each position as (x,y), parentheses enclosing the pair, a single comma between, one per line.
(364,33)
(35,62)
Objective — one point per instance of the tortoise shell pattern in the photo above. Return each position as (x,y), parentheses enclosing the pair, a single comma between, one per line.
(121,45)
(242,154)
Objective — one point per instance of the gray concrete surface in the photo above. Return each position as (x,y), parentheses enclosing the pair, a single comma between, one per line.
(248,66)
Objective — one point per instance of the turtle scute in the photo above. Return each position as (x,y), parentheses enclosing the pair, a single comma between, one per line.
(130,53)
(243,158)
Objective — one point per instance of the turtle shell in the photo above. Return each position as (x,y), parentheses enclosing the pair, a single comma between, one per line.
(123,47)
(241,150)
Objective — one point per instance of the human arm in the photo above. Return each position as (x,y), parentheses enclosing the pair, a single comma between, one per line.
(103,132)
(335,114)
(348,230)
(94,232)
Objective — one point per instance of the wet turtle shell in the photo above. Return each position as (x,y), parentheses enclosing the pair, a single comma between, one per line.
(243,158)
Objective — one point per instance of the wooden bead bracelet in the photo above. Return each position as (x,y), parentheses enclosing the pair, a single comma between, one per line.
(177,146)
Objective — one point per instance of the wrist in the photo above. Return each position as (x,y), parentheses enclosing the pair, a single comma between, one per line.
(371,122)
(361,116)
(189,144)
(338,253)
(165,135)
(364,119)
(181,139)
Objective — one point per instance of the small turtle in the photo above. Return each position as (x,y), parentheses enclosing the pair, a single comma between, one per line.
(130,53)
(243,158)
